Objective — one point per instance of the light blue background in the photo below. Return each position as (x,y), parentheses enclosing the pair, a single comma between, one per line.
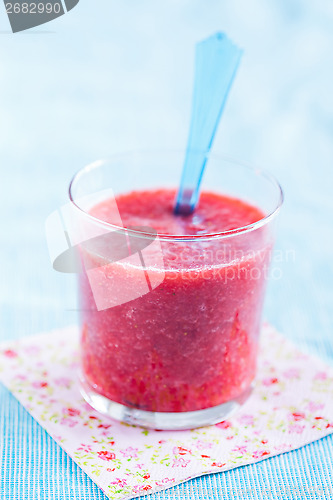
(113,76)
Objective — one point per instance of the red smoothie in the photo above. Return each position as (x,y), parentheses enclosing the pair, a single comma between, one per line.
(191,343)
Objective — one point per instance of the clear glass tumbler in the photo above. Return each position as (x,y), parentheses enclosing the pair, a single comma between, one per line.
(170,323)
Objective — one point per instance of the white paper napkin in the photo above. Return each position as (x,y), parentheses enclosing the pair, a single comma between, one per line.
(291,405)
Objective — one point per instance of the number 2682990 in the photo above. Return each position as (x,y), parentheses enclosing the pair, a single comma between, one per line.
(33,8)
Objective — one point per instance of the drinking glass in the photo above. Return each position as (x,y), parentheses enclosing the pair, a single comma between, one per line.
(170,323)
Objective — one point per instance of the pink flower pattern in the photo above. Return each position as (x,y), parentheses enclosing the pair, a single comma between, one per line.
(260,453)
(63,381)
(39,384)
(130,452)
(180,462)
(71,412)
(246,419)
(296,428)
(240,449)
(312,406)
(87,448)
(106,455)
(9,353)
(291,373)
(270,381)
(203,445)
(119,482)
(69,422)
(225,424)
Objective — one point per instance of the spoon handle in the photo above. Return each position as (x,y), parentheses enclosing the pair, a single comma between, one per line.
(216,63)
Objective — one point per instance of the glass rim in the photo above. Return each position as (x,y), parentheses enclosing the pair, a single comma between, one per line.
(176,237)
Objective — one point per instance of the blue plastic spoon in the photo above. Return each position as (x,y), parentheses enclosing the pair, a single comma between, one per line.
(216,63)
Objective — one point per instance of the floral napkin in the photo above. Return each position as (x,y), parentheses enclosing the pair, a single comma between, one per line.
(291,405)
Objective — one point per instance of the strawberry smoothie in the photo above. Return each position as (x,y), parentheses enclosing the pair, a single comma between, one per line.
(191,343)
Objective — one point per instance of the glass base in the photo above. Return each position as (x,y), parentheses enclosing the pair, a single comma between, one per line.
(162,420)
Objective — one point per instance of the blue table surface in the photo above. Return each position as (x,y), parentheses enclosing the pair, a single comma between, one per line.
(114,76)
